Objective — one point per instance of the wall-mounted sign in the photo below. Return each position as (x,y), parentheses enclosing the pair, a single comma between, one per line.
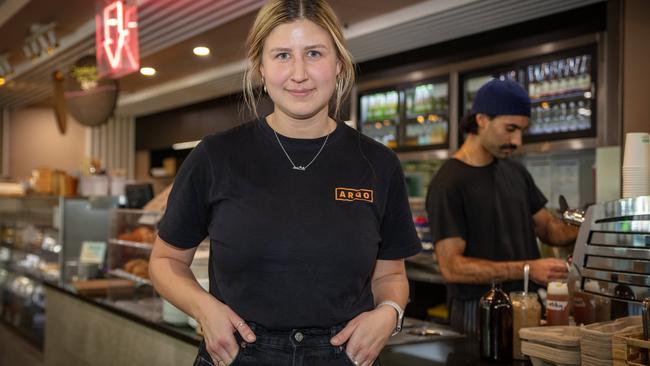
(116,35)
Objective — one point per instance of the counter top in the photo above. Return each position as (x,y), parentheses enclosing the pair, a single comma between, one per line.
(183,333)
(443,347)
(459,351)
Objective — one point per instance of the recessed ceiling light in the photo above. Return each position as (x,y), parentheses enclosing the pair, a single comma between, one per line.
(148,71)
(2,81)
(201,51)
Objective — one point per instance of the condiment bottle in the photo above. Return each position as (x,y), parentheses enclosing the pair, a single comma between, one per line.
(557,303)
(495,325)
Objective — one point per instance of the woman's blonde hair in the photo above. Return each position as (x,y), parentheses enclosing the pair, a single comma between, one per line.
(277,12)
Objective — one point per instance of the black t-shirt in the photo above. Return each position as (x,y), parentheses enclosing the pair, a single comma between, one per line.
(491,208)
(291,249)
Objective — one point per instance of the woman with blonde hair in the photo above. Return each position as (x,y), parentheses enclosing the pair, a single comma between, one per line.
(308,220)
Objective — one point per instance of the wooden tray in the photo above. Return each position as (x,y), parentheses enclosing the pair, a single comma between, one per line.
(551,345)
(630,349)
(97,288)
(596,338)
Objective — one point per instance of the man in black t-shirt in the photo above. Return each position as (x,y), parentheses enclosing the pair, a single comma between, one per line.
(486,211)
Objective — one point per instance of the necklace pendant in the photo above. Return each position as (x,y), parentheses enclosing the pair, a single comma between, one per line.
(301,168)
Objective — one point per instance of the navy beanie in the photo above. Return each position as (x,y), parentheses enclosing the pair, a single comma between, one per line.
(502,97)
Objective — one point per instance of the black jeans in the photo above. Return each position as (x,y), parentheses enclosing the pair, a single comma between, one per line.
(297,347)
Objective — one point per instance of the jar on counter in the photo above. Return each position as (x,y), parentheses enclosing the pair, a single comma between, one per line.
(526,312)
(557,303)
(585,303)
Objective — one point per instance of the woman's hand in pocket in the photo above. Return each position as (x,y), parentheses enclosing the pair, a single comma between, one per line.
(219,323)
(367,334)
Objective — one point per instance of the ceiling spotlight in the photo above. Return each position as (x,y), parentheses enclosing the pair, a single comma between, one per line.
(5,66)
(42,40)
(201,51)
(147,71)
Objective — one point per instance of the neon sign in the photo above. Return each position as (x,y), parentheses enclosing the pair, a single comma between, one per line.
(116,35)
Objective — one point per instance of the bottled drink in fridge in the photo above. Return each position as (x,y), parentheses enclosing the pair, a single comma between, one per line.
(495,325)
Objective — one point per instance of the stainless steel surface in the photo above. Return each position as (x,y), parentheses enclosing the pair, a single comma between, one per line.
(86,219)
(620,264)
(613,248)
(559,145)
(623,292)
(618,252)
(639,226)
(628,240)
(417,331)
(646,317)
(620,277)
(454,107)
(526,277)
(425,155)
(610,110)
(573,216)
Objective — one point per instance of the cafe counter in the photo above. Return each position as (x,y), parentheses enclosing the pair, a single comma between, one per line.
(91,331)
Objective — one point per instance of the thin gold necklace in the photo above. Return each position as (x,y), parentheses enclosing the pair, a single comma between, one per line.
(293,165)
(300,167)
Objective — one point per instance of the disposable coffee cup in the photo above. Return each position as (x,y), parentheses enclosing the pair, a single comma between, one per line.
(637,150)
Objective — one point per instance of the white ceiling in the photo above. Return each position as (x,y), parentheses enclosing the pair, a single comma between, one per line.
(419,25)
(167,22)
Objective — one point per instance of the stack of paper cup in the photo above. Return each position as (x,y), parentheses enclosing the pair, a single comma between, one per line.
(636,165)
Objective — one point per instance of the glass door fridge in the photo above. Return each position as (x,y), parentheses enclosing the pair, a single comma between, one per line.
(426,115)
(561,87)
(379,116)
(411,116)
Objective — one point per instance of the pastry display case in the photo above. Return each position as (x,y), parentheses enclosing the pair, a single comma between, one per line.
(126,284)
(40,242)
(30,253)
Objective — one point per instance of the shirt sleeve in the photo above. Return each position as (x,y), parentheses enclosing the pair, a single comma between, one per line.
(445,212)
(398,236)
(536,198)
(185,222)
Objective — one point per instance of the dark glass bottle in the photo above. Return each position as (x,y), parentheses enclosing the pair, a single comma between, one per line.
(495,325)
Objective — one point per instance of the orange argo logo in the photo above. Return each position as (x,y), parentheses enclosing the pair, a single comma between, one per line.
(350,194)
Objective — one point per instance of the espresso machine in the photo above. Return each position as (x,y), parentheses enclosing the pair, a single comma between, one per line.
(612,253)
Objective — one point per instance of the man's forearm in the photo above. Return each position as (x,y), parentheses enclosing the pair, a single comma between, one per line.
(560,234)
(481,271)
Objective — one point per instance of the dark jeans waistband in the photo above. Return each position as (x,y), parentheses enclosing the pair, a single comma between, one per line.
(299,337)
